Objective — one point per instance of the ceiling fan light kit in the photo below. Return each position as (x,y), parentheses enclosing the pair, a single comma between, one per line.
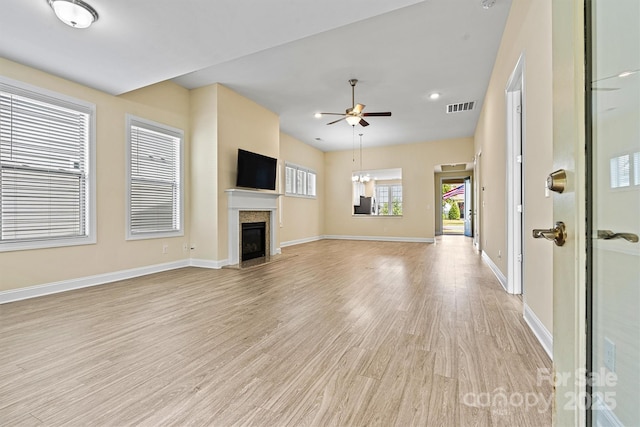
(352,120)
(74,13)
(354,115)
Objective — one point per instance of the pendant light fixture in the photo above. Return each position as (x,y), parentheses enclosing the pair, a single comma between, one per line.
(74,13)
(361,177)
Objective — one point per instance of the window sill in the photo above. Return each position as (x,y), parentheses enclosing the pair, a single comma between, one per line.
(375,216)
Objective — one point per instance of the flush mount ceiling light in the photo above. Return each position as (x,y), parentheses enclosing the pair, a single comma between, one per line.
(74,13)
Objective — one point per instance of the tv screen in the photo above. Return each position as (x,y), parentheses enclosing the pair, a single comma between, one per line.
(256,171)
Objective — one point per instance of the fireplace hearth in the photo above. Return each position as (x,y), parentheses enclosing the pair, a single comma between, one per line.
(253,240)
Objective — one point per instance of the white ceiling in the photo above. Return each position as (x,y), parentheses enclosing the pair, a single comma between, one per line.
(293,57)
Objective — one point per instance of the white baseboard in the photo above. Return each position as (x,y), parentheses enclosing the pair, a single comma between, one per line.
(12,295)
(501,277)
(85,282)
(382,238)
(544,336)
(207,263)
(300,241)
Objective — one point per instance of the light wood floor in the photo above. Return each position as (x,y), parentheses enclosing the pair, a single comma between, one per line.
(335,333)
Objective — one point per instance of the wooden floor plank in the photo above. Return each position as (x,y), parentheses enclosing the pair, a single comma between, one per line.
(335,333)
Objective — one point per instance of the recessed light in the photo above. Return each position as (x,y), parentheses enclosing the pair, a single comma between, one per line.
(317,115)
(434,95)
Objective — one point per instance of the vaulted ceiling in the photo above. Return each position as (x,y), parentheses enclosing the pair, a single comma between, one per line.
(293,57)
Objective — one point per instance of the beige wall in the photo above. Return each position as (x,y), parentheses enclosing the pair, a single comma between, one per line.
(165,103)
(417,162)
(204,173)
(222,121)
(528,32)
(302,217)
(241,124)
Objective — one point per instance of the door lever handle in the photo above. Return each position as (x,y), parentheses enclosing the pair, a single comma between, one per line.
(610,235)
(557,234)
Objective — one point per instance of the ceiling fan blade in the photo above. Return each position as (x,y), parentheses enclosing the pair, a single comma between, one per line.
(332,114)
(336,121)
(358,108)
(363,123)
(383,114)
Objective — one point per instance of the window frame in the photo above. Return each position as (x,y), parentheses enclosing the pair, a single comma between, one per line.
(309,175)
(389,190)
(131,121)
(39,94)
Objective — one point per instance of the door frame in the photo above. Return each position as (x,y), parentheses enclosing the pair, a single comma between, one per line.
(477,201)
(569,261)
(515,121)
(463,175)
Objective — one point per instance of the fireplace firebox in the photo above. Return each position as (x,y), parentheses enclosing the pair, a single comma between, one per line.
(253,240)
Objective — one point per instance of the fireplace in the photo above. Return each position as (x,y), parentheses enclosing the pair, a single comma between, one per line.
(251,206)
(253,240)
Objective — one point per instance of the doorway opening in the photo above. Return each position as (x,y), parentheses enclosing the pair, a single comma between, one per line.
(515,166)
(453,206)
(454,201)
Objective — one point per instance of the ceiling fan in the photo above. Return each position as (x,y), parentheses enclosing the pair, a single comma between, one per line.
(354,115)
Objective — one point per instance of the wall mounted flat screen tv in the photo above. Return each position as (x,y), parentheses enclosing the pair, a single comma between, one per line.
(256,171)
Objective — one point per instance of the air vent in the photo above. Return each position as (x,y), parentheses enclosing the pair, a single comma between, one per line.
(463,106)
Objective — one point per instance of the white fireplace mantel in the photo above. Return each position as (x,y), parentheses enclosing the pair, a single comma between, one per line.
(249,200)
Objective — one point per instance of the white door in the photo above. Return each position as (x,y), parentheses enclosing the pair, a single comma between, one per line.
(596,273)
(613,261)
(468,208)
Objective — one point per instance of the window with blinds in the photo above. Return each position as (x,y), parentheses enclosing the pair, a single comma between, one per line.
(299,181)
(155,179)
(45,179)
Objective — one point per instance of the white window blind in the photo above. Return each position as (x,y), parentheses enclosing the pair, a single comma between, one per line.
(44,167)
(290,179)
(154,179)
(299,181)
(311,184)
(619,171)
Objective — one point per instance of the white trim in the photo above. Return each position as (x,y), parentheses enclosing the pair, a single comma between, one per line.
(544,336)
(85,282)
(515,129)
(206,263)
(501,278)
(250,200)
(44,95)
(130,121)
(477,202)
(300,241)
(382,238)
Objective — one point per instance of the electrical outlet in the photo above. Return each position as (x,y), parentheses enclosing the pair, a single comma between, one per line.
(499,254)
(185,247)
(609,354)
(165,249)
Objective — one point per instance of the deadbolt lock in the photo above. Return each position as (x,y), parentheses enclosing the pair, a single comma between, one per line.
(557,181)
